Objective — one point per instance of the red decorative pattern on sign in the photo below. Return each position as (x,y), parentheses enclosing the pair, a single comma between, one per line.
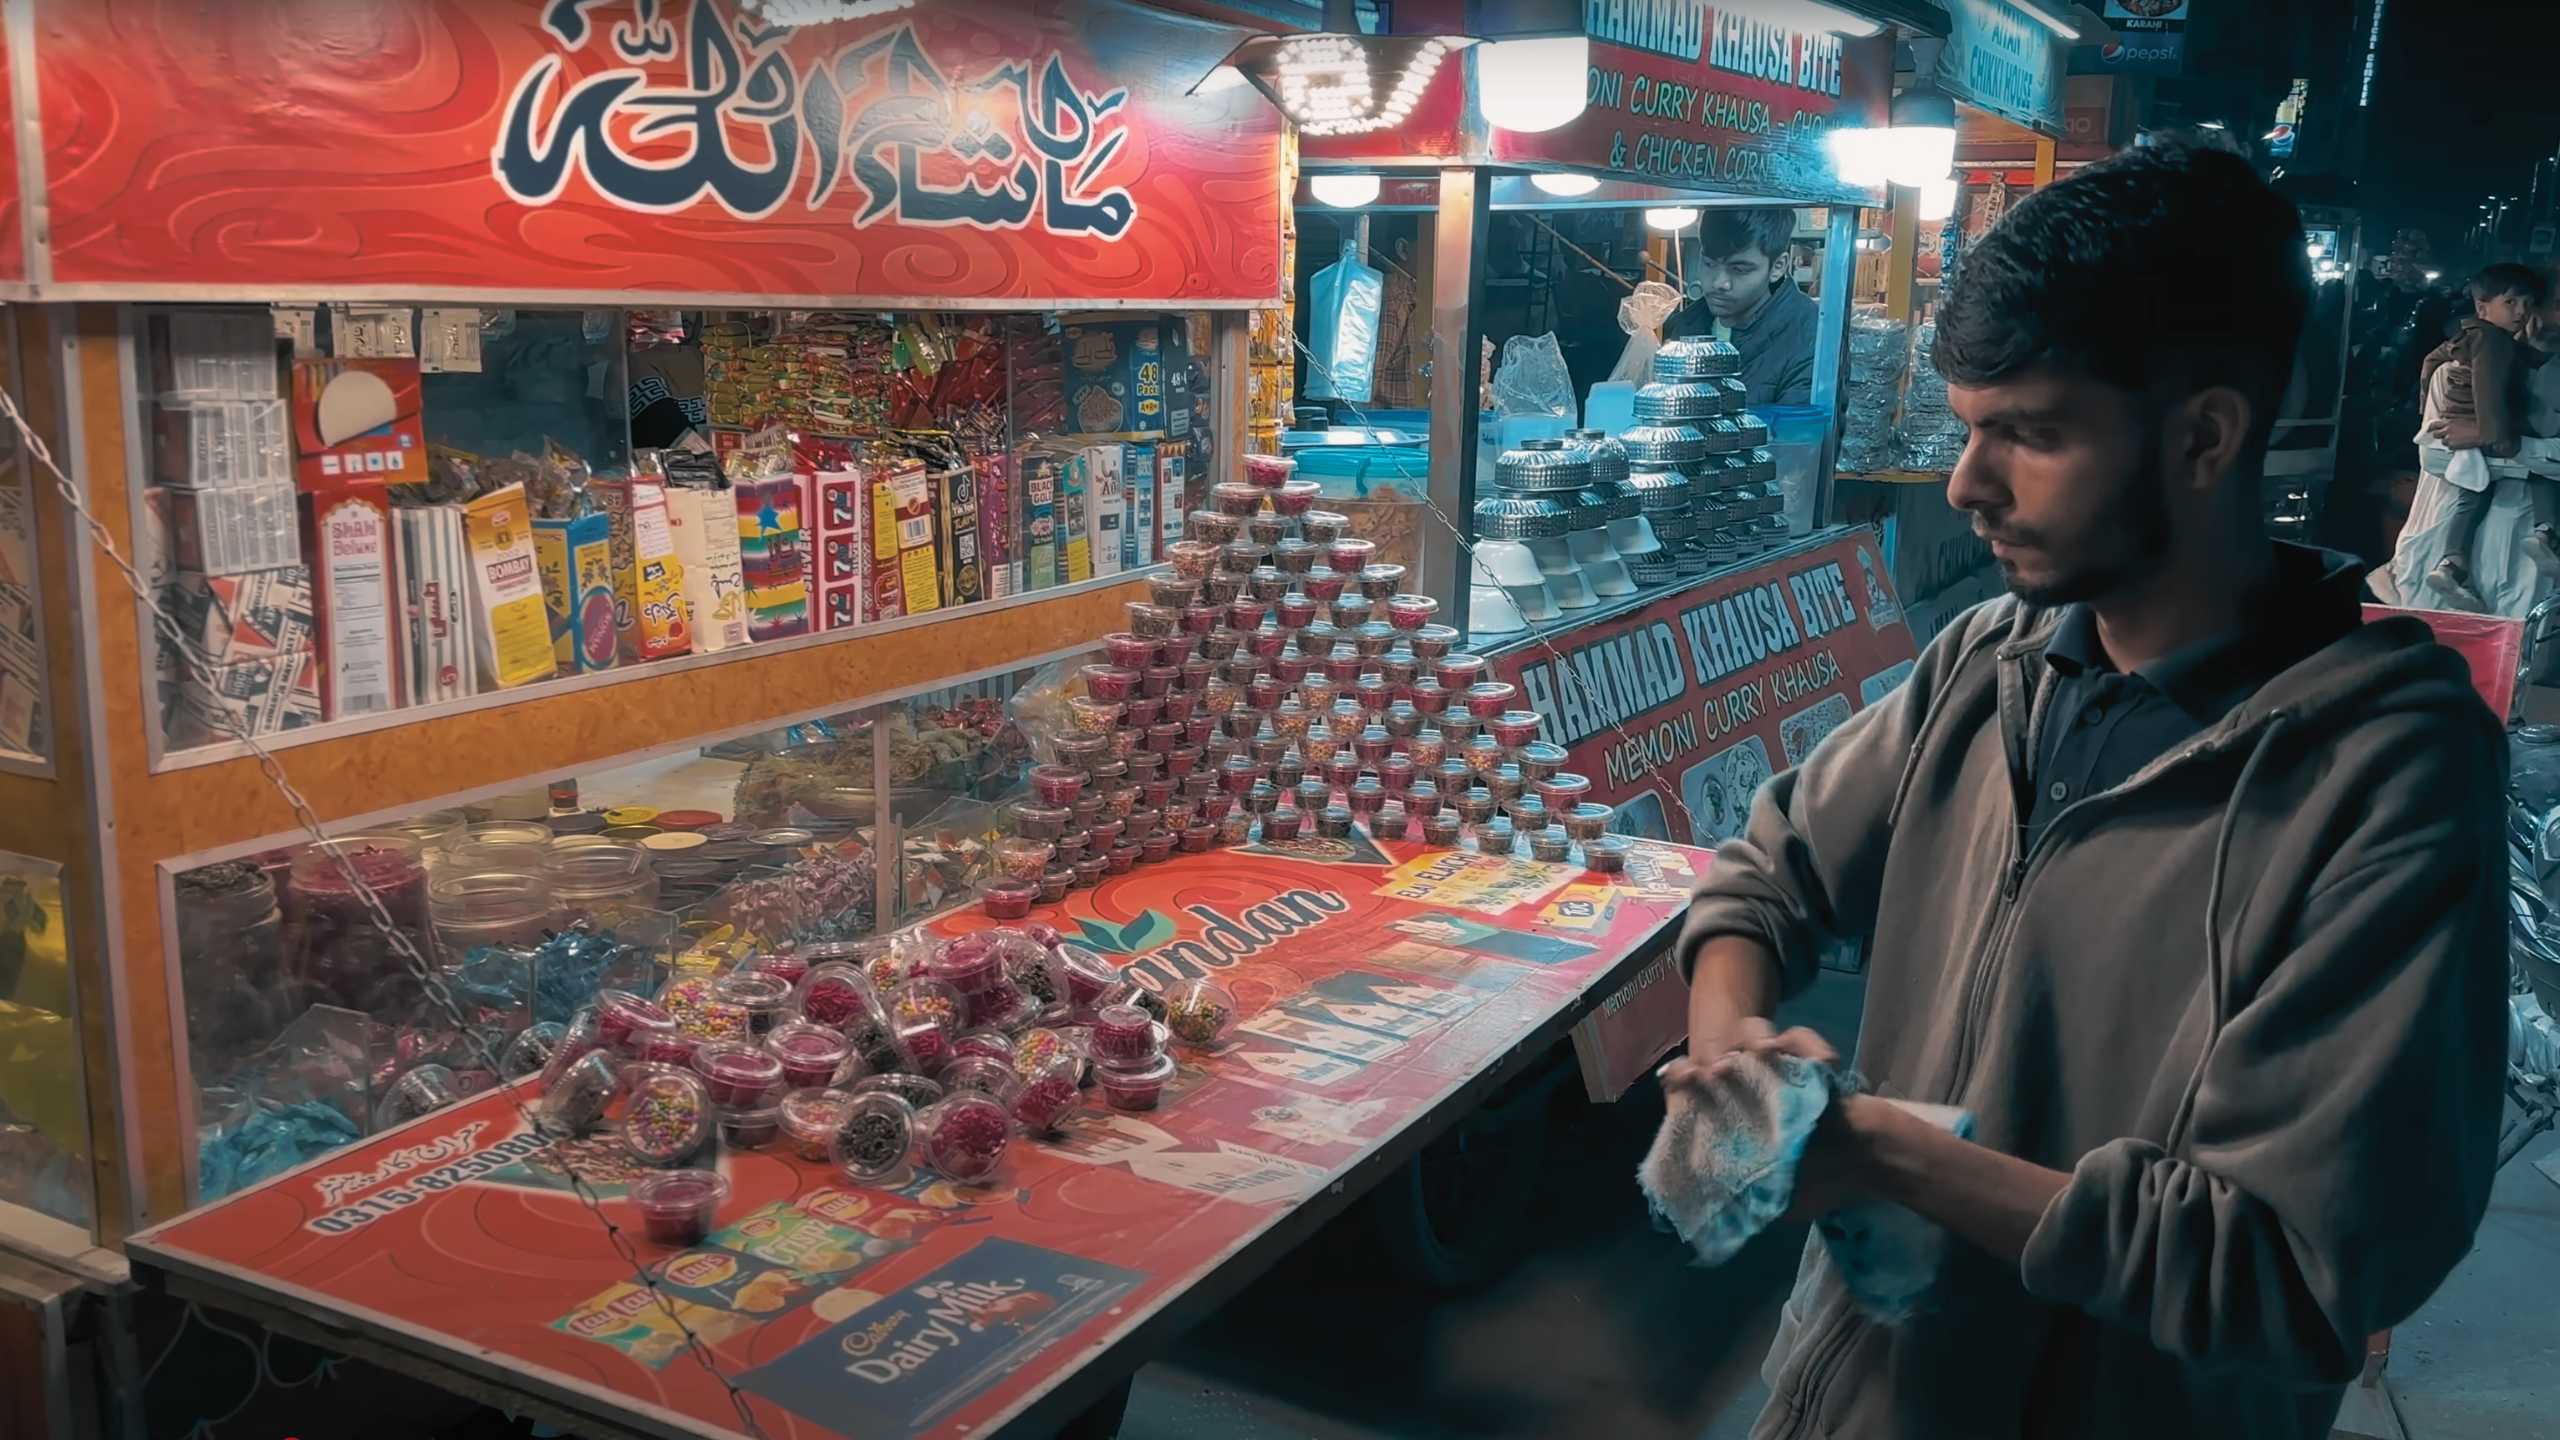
(964,152)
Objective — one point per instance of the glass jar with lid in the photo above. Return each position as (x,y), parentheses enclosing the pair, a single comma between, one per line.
(230,962)
(501,845)
(336,953)
(600,881)
(474,909)
(436,832)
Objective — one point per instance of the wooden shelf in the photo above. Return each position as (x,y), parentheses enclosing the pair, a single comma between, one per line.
(1897,477)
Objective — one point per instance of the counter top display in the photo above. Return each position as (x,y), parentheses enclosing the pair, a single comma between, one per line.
(1365,992)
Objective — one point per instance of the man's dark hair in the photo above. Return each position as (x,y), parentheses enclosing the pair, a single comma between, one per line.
(2506,278)
(2168,265)
(1771,229)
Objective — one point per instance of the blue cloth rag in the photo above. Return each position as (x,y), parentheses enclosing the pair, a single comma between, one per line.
(1724,1167)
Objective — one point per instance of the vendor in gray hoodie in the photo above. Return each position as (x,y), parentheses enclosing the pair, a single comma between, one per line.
(2186,884)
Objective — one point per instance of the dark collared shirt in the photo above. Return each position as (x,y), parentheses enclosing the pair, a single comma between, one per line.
(1776,345)
(2102,726)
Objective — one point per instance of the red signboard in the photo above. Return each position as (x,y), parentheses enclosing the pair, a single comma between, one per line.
(1370,983)
(1678,710)
(1711,97)
(963,153)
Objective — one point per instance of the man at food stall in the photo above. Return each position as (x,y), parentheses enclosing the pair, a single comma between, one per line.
(2183,883)
(1746,264)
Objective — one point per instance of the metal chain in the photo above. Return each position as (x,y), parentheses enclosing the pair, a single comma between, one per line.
(1563,666)
(429,983)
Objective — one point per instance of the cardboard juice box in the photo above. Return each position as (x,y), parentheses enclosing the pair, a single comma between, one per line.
(770,557)
(575,557)
(715,589)
(513,639)
(648,579)
(906,578)
(354,615)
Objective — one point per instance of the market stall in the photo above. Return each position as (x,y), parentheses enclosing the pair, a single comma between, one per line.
(1641,556)
(713,552)
(1993,88)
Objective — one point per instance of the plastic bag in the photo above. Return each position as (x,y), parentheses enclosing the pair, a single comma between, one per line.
(1532,379)
(1345,300)
(1642,315)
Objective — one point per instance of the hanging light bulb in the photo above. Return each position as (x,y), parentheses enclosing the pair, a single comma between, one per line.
(1344,192)
(1673,218)
(1533,85)
(1921,146)
(1564,184)
(1861,156)
(1938,198)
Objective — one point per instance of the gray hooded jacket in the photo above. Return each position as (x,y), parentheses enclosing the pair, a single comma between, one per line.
(2251,1000)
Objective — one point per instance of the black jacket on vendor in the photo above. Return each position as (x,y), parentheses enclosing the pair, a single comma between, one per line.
(2252,999)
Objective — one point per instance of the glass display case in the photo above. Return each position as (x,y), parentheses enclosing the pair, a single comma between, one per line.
(308,1024)
(44,1108)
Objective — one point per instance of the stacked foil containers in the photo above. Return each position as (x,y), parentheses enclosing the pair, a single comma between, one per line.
(1690,424)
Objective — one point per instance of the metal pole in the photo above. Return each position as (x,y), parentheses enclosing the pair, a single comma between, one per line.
(1457,288)
(1831,349)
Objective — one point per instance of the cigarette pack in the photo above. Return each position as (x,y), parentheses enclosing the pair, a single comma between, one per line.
(715,593)
(1138,471)
(905,578)
(231,618)
(511,629)
(575,558)
(1106,506)
(1039,520)
(1075,530)
(648,580)
(358,422)
(770,556)
(1173,479)
(232,532)
(964,579)
(998,555)
(261,697)
(353,610)
(434,605)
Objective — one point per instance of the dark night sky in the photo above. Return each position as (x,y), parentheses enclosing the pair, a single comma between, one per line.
(2463,104)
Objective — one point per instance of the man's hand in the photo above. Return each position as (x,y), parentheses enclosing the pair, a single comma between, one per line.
(1709,1055)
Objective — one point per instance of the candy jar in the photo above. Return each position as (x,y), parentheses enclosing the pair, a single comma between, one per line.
(963,1137)
(1199,1012)
(967,964)
(925,1016)
(1124,1034)
(810,1120)
(1048,1095)
(986,1075)
(916,1090)
(810,1053)
(764,997)
(873,1135)
(752,1128)
(1135,1087)
(738,1076)
(578,1097)
(1089,979)
(667,1119)
(622,1018)
(677,1208)
(423,1090)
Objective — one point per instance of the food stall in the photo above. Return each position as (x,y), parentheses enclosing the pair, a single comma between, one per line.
(1994,86)
(557,521)
(1663,595)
